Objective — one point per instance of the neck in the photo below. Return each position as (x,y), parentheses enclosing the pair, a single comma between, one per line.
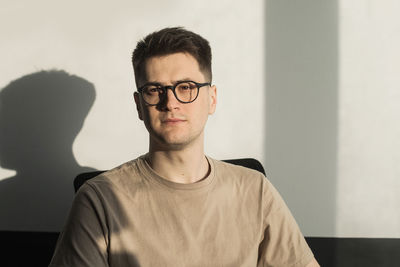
(186,165)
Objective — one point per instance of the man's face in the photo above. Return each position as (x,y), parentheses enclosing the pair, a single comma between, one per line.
(172,124)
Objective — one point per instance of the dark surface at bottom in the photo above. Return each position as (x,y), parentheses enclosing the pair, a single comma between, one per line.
(26,248)
(356,252)
(36,249)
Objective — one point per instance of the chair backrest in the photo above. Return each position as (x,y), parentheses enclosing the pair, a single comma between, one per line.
(81,178)
(245,162)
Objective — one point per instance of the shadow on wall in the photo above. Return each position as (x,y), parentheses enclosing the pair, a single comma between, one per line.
(301,109)
(40,116)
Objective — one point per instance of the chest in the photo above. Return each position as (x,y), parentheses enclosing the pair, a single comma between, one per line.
(201,229)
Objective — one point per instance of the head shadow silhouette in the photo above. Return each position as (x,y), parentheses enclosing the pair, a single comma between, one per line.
(40,116)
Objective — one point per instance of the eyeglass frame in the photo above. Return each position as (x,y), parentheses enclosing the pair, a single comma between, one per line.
(165,88)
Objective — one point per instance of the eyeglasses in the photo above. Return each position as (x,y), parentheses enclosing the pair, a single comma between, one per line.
(184,91)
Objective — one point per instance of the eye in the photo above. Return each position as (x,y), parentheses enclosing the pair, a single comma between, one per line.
(152,90)
(186,86)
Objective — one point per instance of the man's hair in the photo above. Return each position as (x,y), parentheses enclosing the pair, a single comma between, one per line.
(169,41)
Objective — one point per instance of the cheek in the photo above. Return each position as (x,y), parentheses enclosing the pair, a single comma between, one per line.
(202,112)
(148,115)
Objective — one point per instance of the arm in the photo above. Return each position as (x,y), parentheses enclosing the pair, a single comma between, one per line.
(283,243)
(83,240)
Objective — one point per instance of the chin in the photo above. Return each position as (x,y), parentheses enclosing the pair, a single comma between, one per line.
(173,140)
(175,143)
(171,143)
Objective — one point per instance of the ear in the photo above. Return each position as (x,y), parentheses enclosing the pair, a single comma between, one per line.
(138,105)
(213,99)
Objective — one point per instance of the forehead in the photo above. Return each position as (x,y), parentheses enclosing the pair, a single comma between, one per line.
(173,67)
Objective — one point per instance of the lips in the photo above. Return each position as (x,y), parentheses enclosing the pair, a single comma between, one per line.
(172,120)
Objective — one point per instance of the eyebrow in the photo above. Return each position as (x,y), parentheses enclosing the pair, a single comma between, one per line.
(174,82)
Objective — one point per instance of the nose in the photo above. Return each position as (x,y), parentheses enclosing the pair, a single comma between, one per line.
(169,102)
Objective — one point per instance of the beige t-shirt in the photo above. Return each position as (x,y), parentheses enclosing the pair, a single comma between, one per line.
(130,216)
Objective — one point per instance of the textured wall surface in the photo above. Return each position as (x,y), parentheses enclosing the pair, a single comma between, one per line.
(90,44)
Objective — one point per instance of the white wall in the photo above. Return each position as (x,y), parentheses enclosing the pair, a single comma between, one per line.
(94,40)
(368,201)
(333,114)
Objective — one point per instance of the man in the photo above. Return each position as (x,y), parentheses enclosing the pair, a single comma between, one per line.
(175,206)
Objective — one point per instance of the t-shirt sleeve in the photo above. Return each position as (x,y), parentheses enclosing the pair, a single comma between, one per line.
(283,244)
(83,240)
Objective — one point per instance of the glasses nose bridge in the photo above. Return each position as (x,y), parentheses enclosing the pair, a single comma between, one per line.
(172,87)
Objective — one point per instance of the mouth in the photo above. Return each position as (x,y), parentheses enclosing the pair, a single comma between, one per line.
(172,121)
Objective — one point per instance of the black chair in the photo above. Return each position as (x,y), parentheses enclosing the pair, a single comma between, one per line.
(245,162)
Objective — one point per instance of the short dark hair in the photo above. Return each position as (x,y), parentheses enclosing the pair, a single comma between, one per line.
(168,41)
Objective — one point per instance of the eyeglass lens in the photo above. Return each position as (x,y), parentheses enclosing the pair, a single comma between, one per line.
(184,92)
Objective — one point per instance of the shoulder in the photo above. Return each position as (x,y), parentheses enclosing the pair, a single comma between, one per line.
(247,178)
(233,170)
(126,175)
(239,177)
